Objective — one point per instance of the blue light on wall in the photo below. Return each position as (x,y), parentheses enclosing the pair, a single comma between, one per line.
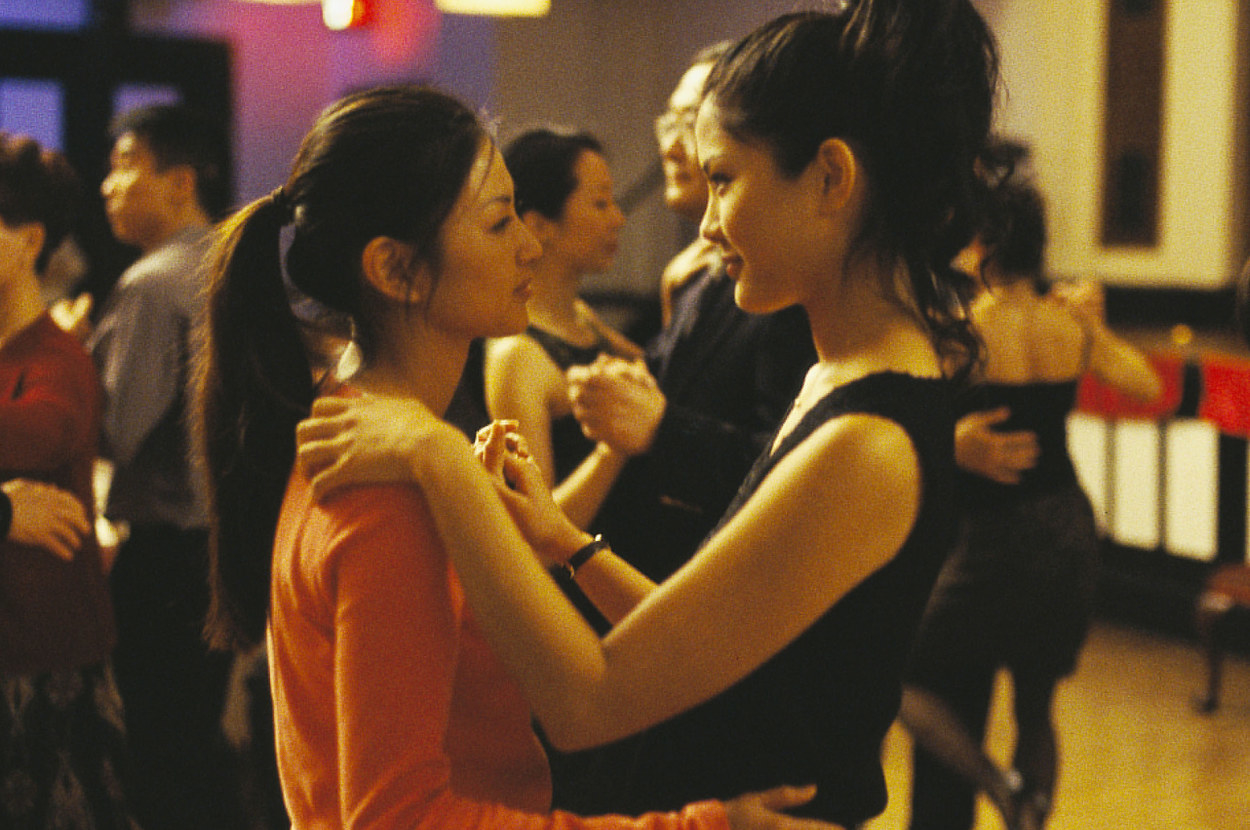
(34,108)
(45,14)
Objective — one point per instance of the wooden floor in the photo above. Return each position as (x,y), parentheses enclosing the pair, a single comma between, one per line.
(1133,751)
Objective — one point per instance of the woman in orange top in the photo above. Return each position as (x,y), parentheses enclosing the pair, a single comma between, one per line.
(390,709)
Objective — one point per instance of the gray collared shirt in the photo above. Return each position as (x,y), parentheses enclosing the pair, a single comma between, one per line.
(142,349)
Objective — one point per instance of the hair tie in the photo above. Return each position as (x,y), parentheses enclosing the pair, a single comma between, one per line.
(283,203)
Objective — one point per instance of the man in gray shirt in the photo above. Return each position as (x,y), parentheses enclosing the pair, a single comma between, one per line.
(167,180)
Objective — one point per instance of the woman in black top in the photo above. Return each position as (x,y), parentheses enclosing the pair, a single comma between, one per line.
(1018,590)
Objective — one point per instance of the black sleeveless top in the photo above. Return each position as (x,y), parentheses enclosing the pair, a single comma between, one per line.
(817,712)
(1041,407)
(568,445)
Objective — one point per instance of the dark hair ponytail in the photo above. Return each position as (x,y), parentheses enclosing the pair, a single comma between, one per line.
(385,162)
(910,86)
(255,386)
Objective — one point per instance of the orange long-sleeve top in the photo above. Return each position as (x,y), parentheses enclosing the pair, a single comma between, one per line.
(391,710)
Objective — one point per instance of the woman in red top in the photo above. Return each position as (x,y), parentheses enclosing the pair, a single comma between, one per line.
(390,709)
(60,717)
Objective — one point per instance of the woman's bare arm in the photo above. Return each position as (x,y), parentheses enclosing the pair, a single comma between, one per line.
(525,386)
(1119,363)
(613,585)
(522,384)
(1112,359)
(585,489)
(831,513)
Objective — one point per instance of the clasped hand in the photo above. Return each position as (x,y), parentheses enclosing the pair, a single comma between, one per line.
(523,489)
(617,402)
(375,440)
(46,517)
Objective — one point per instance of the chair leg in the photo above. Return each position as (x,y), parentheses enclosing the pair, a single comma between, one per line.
(1211,609)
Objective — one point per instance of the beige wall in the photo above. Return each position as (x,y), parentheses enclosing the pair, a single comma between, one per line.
(608,66)
(1053,68)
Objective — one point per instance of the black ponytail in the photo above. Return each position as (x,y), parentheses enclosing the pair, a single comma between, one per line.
(1012,225)
(255,386)
(385,162)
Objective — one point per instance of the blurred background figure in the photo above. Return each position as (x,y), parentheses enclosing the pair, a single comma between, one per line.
(166,183)
(1018,591)
(564,195)
(62,750)
(715,384)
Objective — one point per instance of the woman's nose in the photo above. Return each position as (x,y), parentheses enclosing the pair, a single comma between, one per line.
(709,225)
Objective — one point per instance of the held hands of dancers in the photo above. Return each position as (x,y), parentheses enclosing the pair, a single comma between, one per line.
(617,402)
(375,439)
(523,489)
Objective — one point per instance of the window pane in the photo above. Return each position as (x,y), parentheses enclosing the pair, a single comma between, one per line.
(34,108)
(45,14)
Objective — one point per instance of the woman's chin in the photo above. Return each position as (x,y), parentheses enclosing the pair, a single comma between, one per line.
(748,302)
(755,302)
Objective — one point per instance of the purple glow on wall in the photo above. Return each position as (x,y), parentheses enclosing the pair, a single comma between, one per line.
(45,14)
(33,107)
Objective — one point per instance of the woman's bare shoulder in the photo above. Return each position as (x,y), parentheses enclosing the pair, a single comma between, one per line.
(517,352)
(867,454)
(519,366)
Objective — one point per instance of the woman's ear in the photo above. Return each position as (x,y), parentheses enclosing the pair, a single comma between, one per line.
(840,173)
(33,235)
(388,267)
(182,177)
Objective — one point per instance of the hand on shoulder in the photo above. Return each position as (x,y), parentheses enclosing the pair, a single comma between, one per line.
(374,439)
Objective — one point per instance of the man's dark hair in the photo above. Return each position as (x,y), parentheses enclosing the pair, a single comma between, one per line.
(176,134)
